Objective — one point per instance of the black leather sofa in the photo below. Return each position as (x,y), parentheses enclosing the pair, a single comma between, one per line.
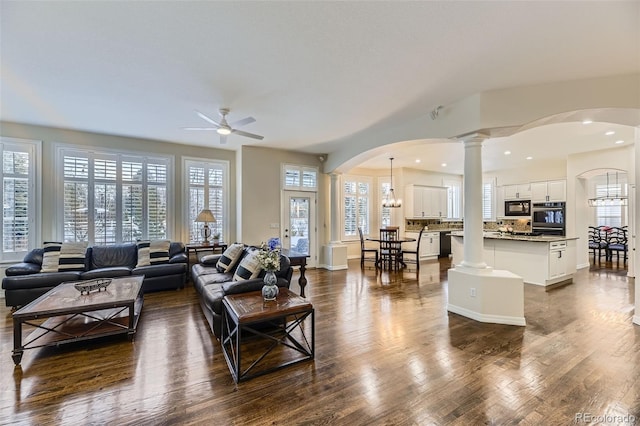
(212,286)
(24,282)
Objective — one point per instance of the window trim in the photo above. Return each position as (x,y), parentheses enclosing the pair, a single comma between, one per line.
(59,149)
(35,183)
(185,193)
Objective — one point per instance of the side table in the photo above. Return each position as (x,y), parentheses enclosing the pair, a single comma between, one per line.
(196,247)
(247,318)
(298,259)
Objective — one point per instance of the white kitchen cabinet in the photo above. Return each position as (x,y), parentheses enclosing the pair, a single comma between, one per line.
(557,259)
(430,245)
(425,201)
(536,259)
(549,191)
(517,192)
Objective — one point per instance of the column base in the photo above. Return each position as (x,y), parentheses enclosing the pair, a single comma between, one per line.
(486,295)
(335,255)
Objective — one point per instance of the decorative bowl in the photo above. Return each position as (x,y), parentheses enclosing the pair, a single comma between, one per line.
(91,285)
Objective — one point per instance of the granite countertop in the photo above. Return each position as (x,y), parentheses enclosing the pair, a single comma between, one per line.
(516,237)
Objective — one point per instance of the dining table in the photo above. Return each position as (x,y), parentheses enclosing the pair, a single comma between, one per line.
(391,242)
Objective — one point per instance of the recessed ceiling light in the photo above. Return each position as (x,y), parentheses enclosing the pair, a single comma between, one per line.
(610,132)
(587,121)
(417,160)
(620,141)
(444,164)
(507,153)
(529,158)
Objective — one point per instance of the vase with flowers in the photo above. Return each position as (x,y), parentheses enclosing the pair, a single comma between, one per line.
(269,260)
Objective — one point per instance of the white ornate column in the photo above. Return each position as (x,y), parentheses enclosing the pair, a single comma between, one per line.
(475,290)
(335,209)
(473,226)
(634,253)
(335,253)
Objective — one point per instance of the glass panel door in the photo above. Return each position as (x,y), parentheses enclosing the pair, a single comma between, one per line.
(299,227)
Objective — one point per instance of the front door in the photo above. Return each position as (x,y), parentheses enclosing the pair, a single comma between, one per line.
(299,228)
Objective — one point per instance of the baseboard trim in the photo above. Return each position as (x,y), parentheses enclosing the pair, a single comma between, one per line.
(583,265)
(334,268)
(636,319)
(494,319)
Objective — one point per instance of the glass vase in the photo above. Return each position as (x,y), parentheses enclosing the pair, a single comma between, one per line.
(270,289)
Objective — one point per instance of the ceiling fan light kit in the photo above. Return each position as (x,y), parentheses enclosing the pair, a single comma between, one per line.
(223,128)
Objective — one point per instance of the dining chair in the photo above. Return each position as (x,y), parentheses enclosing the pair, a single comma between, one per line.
(389,248)
(367,254)
(617,242)
(597,242)
(413,255)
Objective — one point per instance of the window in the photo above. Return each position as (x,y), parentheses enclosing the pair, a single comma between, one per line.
(610,215)
(112,198)
(454,199)
(300,178)
(207,183)
(356,198)
(20,159)
(385,216)
(488,210)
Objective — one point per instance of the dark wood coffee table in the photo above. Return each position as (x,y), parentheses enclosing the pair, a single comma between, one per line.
(279,322)
(72,317)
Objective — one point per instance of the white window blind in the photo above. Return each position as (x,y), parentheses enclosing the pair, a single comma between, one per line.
(18,197)
(488,211)
(385,216)
(299,178)
(454,200)
(609,215)
(207,189)
(112,198)
(356,198)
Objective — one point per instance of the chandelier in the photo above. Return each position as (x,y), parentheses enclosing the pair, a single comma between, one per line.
(391,200)
(610,200)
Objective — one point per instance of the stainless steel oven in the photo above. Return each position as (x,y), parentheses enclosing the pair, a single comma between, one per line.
(517,208)
(549,218)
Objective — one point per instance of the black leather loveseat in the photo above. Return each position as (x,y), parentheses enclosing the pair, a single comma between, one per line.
(212,285)
(25,282)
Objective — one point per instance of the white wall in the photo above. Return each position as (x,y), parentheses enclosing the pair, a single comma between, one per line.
(261,192)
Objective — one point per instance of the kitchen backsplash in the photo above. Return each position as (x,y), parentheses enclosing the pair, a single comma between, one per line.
(520,225)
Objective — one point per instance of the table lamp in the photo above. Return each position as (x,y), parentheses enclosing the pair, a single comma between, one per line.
(206,216)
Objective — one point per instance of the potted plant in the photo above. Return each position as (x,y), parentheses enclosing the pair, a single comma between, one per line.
(216,237)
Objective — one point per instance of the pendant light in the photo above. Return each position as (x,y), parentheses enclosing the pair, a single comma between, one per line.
(391,200)
(608,200)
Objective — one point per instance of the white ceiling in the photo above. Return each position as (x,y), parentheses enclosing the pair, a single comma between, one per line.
(311,73)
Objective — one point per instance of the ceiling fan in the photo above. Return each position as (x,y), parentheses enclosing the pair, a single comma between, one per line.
(223,128)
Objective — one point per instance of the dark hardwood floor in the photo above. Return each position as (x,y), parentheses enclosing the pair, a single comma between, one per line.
(387,352)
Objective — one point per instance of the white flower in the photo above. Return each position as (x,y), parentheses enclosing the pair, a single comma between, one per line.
(269,259)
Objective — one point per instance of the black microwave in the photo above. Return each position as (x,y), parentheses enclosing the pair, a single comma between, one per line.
(517,208)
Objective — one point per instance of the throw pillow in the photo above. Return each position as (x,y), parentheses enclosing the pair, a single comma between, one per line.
(50,257)
(72,256)
(152,252)
(159,251)
(229,258)
(249,266)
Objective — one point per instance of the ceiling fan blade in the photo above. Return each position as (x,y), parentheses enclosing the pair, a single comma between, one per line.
(223,139)
(243,122)
(206,118)
(199,128)
(249,135)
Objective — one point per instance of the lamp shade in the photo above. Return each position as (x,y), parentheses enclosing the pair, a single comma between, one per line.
(205,216)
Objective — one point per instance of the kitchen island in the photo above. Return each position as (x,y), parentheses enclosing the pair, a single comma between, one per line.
(540,260)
